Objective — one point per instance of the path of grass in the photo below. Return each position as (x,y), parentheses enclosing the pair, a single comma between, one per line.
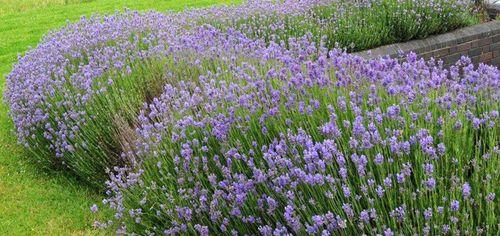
(33,202)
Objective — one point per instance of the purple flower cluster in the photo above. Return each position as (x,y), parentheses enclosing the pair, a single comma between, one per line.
(343,23)
(209,131)
(51,88)
(314,142)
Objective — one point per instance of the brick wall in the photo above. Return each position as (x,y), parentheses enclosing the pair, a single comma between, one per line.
(480,42)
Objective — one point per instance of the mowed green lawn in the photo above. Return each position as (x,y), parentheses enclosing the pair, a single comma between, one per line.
(34,202)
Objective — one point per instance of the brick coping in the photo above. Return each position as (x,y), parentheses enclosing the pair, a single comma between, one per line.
(473,41)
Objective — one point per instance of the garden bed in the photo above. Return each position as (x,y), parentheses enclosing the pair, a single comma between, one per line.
(353,25)
(251,120)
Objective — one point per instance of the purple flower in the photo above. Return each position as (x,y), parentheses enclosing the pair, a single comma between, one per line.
(388,232)
(399,213)
(430,183)
(428,214)
(454,205)
(476,123)
(445,228)
(466,190)
(292,220)
(490,197)
(202,230)
(380,191)
(364,216)
(440,209)
(429,168)
(346,190)
(379,159)
(348,210)
(94,208)
(388,182)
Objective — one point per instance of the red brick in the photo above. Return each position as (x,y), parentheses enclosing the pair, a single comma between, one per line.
(441,52)
(464,46)
(496,54)
(475,51)
(486,49)
(475,43)
(486,57)
(485,41)
(453,49)
(496,38)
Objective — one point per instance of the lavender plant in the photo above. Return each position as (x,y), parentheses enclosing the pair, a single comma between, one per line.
(69,95)
(229,121)
(355,25)
(72,96)
(327,146)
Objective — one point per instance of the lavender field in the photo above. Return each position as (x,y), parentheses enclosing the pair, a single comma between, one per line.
(255,119)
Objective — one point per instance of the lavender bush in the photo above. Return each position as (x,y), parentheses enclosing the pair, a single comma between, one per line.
(327,146)
(205,127)
(355,25)
(71,95)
